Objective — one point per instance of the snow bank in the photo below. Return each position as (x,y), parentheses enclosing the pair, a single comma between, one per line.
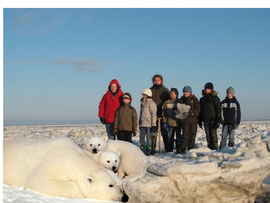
(238,174)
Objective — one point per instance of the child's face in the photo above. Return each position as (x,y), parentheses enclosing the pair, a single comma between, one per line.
(208,91)
(187,94)
(229,95)
(172,95)
(126,101)
(144,96)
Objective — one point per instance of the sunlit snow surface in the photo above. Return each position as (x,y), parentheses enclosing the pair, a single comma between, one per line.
(237,174)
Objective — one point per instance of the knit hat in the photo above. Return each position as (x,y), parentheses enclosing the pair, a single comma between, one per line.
(175,91)
(147,92)
(187,89)
(209,85)
(127,96)
(230,90)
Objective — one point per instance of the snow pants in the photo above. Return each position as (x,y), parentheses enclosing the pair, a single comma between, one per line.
(188,137)
(211,135)
(124,135)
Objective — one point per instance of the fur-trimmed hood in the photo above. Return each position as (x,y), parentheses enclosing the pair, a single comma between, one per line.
(214,93)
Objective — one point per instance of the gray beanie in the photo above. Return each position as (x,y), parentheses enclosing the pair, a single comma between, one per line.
(187,89)
(230,90)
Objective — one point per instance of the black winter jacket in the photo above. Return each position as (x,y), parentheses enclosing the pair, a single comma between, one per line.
(230,111)
(160,94)
(210,108)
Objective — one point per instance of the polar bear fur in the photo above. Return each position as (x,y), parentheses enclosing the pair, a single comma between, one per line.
(58,167)
(182,111)
(109,159)
(133,162)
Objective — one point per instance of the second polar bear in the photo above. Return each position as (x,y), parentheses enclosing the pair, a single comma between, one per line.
(109,159)
(133,162)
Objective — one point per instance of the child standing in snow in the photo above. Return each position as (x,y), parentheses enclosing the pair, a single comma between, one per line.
(189,123)
(231,117)
(147,121)
(125,120)
(168,116)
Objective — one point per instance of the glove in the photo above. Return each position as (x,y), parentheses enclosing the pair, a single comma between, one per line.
(190,113)
(216,125)
(165,126)
(200,125)
(102,120)
(133,134)
(236,125)
(153,129)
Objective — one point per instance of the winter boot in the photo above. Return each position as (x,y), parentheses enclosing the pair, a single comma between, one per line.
(148,150)
(230,144)
(182,150)
(143,149)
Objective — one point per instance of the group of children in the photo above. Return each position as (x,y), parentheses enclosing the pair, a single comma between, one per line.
(209,113)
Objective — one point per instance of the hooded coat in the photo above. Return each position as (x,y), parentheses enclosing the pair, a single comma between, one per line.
(110,103)
(126,117)
(210,107)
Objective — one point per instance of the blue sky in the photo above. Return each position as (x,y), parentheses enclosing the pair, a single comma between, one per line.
(58,62)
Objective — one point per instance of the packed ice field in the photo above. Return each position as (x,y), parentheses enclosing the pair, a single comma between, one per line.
(237,174)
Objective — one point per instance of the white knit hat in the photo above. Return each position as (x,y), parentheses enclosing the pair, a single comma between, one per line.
(147,92)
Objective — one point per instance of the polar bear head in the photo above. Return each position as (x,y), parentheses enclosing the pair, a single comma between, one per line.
(95,144)
(101,183)
(109,159)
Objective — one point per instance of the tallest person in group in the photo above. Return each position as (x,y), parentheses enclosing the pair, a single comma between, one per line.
(108,106)
(160,94)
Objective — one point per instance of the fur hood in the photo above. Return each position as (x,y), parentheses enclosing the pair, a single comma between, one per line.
(214,93)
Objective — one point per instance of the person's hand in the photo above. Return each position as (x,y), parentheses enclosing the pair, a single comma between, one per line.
(216,125)
(165,125)
(133,133)
(236,125)
(153,129)
(102,120)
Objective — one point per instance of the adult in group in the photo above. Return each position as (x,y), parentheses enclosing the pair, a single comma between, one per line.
(160,94)
(210,114)
(108,106)
(190,122)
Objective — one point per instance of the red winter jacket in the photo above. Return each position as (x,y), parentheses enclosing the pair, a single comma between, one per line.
(109,103)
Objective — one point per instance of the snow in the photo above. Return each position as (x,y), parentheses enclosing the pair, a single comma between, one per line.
(237,174)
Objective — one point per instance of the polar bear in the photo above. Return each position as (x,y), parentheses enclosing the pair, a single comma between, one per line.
(109,159)
(133,162)
(58,167)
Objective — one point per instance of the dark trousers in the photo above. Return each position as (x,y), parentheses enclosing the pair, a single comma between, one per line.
(188,137)
(171,132)
(211,135)
(124,135)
